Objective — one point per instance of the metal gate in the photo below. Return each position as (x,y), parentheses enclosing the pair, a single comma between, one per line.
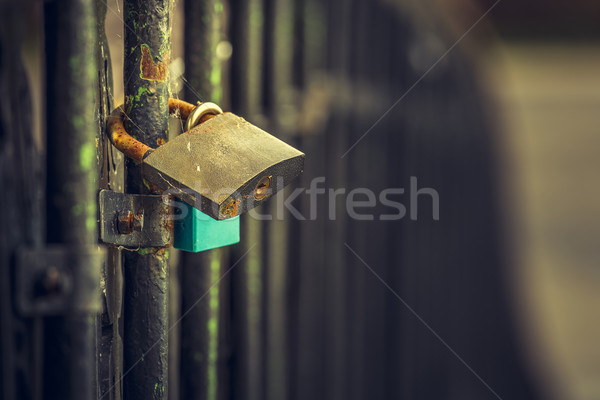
(318,304)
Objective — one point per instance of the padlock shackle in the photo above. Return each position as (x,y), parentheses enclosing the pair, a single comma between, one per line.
(132,147)
(180,108)
(122,140)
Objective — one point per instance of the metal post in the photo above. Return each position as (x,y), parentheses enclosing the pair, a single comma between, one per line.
(201,333)
(69,346)
(279,100)
(248,302)
(147,54)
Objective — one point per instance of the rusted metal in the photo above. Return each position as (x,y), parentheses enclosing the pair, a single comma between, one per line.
(151,70)
(134,220)
(228,178)
(146,269)
(132,147)
(180,108)
(122,140)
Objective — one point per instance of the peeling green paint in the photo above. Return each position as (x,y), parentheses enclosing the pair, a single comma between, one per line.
(142,90)
(159,389)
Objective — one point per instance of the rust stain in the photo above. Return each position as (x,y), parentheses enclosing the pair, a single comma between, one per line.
(167,217)
(160,141)
(231,209)
(150,70)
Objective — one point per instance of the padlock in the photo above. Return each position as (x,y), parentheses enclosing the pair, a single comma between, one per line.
(222,166)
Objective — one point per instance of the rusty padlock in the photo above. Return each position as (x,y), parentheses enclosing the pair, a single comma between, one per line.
(222,165)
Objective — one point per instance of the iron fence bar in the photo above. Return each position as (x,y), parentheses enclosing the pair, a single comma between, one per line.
(202,334)
(309,239)
(280,108)
(247,20)
(22,181)
(111,177)
(69,348)
(340,315)
(146,74)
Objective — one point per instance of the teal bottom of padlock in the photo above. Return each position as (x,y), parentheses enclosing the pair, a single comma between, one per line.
(196,231)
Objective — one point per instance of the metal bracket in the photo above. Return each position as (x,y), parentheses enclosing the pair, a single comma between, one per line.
(56,280)
(135,220)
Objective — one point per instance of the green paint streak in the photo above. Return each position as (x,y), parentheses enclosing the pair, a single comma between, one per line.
(90,221)
(87,156)
(213,326)
(215,81)
(141,91)
(159,390)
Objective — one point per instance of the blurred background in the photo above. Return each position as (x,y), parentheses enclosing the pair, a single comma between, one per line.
(493,104)
(541,74)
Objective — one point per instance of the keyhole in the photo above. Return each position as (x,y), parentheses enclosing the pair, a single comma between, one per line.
(262,188)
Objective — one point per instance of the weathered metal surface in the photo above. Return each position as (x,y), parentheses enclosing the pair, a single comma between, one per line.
(109,342)
(48,282)
(218,165)
(135,149)
(134,220)
(147,55)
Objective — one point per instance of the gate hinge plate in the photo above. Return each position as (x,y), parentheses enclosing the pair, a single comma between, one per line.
(57,280)
(135,220)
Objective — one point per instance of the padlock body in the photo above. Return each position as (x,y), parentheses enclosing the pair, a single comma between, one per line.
(218,165)
(195,231)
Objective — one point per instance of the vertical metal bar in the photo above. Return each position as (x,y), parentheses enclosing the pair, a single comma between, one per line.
(71,83)
(358,161)
(247,85)
(147,55)
(205,29)
(111,177)
(279,108)
(340,315)
(309,378)
(22,182)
